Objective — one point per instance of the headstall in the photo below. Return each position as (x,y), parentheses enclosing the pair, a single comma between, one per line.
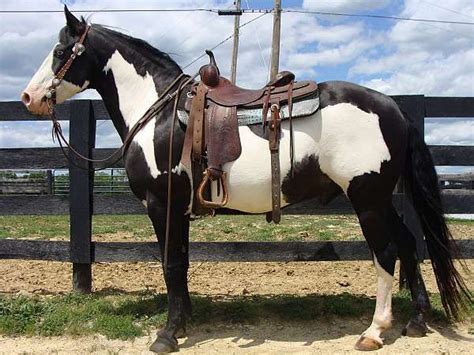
(164,98)
(77,50)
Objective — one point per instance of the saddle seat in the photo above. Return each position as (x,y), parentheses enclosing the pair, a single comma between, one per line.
(227,94)
(223,92)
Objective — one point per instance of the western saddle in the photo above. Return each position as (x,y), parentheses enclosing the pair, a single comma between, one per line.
(212,134)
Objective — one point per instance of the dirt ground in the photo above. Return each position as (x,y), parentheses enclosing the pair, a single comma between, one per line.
(218,279)
(265,339)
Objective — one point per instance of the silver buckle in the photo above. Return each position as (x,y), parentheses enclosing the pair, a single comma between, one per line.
(78,49)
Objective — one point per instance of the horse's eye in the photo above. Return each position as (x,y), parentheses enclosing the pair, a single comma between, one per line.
(59,53)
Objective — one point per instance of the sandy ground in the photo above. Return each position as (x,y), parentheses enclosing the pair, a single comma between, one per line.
(265,339)
(297,278)
(335,336)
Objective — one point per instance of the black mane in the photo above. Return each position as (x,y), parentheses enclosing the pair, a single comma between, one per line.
(146,50)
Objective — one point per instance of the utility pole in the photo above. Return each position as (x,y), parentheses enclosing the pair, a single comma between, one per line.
(275,57)
(274,135)
(235,49)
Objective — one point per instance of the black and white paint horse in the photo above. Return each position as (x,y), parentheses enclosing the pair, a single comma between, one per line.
(358,143)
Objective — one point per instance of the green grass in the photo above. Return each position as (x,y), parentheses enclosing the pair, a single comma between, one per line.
(232,228)
(125,316)
(467,222)
(57,227)
(219,228)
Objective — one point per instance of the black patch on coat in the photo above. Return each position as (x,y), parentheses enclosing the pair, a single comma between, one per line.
(309,181)
(259,131)
(373,191)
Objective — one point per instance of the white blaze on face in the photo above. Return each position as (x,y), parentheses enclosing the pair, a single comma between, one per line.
(136,94)
(41,82)
(43,76)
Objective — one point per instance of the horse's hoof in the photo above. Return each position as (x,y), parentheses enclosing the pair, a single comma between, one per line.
(415,329)
(367,344)
(181,333)
(164,345)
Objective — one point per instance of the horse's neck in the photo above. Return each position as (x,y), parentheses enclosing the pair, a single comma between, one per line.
(128,94)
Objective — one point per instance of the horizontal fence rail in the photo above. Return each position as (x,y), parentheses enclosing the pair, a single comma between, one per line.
(433,107)
(455,201)
(84,201)
(203,251)
(53,158)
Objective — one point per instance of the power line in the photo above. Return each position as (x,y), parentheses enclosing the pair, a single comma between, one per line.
(246,11)
(446,9)
(384,17)
(107,10)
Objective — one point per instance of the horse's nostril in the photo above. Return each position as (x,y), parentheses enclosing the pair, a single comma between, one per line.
(25,98)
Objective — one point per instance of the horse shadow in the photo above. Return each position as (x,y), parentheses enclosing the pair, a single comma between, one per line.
(252,320)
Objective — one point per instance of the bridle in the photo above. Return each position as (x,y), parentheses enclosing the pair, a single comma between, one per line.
(77,51)
(164,98)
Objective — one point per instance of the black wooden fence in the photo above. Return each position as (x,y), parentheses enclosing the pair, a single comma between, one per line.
(81,204)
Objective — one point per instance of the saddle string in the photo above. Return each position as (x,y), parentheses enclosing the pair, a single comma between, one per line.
(290,116)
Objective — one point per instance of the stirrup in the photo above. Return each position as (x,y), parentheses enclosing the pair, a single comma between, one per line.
(202,186)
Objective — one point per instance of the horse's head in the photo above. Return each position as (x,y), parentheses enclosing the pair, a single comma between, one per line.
(48,77)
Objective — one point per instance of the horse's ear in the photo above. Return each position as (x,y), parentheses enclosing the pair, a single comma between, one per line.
(73,22)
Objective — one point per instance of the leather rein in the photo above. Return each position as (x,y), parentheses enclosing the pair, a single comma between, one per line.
(166,96)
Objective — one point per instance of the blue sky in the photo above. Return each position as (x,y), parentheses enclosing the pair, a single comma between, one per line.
(394,57)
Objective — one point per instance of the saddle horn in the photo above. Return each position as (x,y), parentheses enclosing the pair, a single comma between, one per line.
(210,72)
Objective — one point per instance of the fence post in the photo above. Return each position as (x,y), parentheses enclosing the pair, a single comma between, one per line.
(414,106)
(82,138)
(49,182)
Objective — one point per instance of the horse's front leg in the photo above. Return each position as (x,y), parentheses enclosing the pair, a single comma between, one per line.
(175,271)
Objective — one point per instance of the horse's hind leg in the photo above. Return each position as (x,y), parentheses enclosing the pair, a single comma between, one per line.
(406,243)
(376,229)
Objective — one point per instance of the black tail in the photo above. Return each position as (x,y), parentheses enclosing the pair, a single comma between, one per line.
(423,182)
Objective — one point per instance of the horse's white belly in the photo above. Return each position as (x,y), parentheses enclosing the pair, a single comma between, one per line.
(346,140)
(249,177)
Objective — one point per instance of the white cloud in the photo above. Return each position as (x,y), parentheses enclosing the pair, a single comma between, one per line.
(28,134)
(333,55)
(347,6)
(446,76)
(450,132)
(433,59)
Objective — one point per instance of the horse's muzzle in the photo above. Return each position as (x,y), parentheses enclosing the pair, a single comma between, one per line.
(33,101)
